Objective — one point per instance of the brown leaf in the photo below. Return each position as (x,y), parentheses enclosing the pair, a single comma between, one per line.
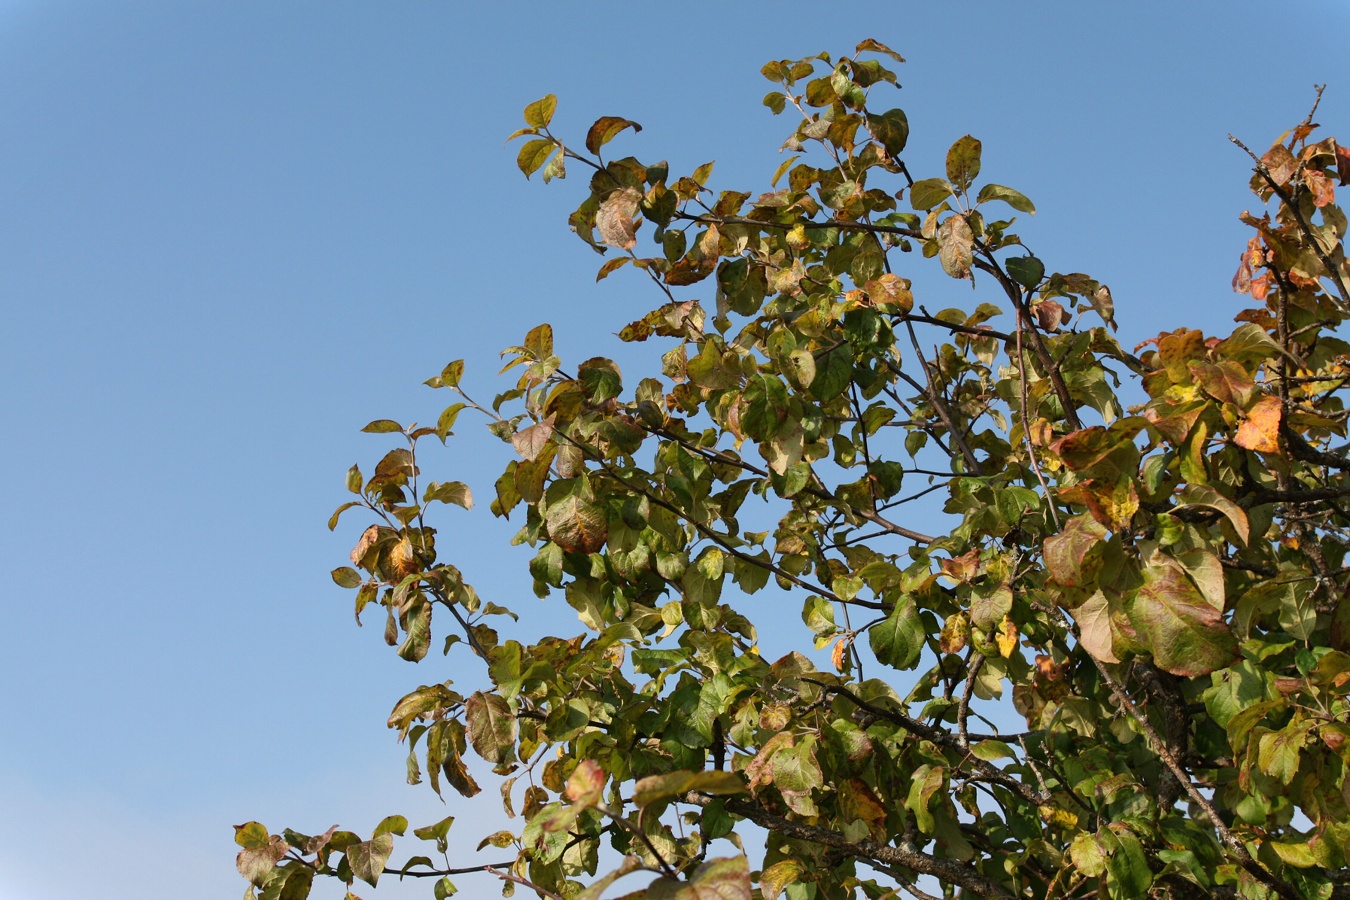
(615,219)
(1049,315)
(1252,259)
(401,561)
(955,246)
(368,538)
(529,442)
(1323,188)
(1343,164)
(837,655)
(1280,163)
(1261,430)
(890,293)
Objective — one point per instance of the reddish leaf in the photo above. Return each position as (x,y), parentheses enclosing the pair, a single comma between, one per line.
(1323,188)
(1185,634)
(1261,429)
(530,442)
(1068,555)
(587,784)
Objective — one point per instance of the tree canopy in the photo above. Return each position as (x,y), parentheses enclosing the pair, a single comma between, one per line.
(1157,591)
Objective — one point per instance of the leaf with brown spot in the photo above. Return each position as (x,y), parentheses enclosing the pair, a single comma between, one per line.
(576,524)
(890,293)
(491,727)
(604,130)
(1260,431)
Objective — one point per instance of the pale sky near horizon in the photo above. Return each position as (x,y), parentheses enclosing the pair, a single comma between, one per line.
(233,233)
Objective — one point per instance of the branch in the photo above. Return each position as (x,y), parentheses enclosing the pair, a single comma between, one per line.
(1301,449)
(989,771)
(711,535)
(1332,271)
(946,870)
(938,405)
(820,494)
(439,873)
(1160,747)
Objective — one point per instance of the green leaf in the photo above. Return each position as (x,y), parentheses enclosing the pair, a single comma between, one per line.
(447,419)
(1025,270)
(891,129)
(391,825)
(898,639)
(1299,855)
(337,513)
(539,113)
(574,523)
(1015,199)
(347,577)
(655,788)
(963,162)
(533,154)
(929,192)
(368,858)
(382,426)
(834,371)
(491,727)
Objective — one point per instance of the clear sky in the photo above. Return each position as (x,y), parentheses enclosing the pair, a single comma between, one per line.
(231,233)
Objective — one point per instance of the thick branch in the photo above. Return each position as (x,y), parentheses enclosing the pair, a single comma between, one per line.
(945,870)
(1160,747)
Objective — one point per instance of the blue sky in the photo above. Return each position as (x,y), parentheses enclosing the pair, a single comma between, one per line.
(232,233)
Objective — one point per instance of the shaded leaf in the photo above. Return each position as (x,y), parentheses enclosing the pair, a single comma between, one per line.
(368,858)
(491,727)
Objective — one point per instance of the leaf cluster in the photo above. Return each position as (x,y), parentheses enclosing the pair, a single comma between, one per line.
(1158,592)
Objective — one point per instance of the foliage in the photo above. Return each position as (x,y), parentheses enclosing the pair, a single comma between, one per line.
(1158,591)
